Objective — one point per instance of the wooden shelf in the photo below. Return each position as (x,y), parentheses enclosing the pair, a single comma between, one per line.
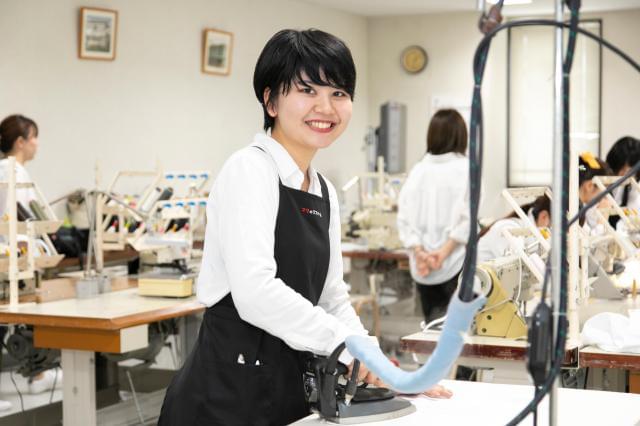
(41,227)
(4,264)
(40,262)
(48,261)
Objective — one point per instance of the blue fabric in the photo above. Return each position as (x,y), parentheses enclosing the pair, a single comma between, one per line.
(459,317)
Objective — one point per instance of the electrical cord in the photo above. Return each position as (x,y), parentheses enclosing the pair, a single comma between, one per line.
(562,320)
(17,390)
(475,174)
(573,220)
(53,388)
(427,327)
(4,345)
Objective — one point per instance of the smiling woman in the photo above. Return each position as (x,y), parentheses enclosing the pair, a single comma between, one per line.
(271,272)
(312,86)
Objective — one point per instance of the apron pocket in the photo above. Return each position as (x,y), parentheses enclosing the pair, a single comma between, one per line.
(231,341)
(237,394)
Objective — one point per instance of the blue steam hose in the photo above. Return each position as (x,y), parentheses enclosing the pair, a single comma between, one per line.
(459,317)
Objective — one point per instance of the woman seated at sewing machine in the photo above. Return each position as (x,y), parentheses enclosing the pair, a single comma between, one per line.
(623,155)
(19,139)
(493,244)
(589,167)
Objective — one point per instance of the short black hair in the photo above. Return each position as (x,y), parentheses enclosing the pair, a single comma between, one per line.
(324,58)
(447,133)
(14,127)
(625,152)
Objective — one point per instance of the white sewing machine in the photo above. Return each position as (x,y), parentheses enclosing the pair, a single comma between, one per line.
(375,218)
(510,280)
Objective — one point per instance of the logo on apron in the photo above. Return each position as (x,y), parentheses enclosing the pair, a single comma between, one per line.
(307,211)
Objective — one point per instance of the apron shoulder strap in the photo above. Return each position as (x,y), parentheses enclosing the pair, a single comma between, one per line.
(272,161)
(323,187)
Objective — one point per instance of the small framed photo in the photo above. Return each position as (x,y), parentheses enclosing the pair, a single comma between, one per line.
(98,28)
(216,52)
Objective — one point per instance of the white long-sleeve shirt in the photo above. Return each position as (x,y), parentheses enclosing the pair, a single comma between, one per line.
(432,208)
(23,195)
(238,253)
(493,244)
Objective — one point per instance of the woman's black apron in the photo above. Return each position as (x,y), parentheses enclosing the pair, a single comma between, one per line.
(238,374)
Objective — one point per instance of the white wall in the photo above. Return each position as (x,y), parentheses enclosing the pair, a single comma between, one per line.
(620,82)
(450,40)
(153,102)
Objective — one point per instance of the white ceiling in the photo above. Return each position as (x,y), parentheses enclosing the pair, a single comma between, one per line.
(411,7)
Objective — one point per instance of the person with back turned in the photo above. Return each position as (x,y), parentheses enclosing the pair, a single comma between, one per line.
(433,213)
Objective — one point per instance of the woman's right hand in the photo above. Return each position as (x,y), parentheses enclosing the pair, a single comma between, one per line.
(422,261)
(364,375)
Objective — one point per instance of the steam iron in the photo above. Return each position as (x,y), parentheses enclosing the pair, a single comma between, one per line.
(347,403)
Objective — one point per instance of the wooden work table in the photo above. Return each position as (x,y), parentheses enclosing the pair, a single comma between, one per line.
(114,322)
(400,255)
(480,347)
(496,348)
(110,311)
(591,356)
(514,350)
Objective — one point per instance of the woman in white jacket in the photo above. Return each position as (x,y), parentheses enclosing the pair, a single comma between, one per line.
(433,216)
(493,244)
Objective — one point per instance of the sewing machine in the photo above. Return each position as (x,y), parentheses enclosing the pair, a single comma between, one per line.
(629,217)
(169,235)
(375,218)
(605,249)
(509,281)
(26,246)
(161,221)
(121,226)
(506,282)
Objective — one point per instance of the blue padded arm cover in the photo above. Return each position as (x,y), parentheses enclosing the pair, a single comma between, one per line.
(459,317)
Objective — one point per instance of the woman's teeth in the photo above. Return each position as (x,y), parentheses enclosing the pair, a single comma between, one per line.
(319,124)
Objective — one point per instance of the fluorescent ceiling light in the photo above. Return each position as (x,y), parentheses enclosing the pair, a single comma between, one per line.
(510,2)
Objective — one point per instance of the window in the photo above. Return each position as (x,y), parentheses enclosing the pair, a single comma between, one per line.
(530,74)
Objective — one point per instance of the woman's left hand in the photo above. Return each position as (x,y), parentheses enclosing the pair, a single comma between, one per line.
(436,258)
(438,391)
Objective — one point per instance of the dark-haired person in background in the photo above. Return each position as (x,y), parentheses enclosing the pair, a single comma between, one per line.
(623,155)
(433,214)
(271,274)
(590,166)
(493,244)
(19,139)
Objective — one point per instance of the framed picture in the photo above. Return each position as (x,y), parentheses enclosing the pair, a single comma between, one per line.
(216,52)
(98,28)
